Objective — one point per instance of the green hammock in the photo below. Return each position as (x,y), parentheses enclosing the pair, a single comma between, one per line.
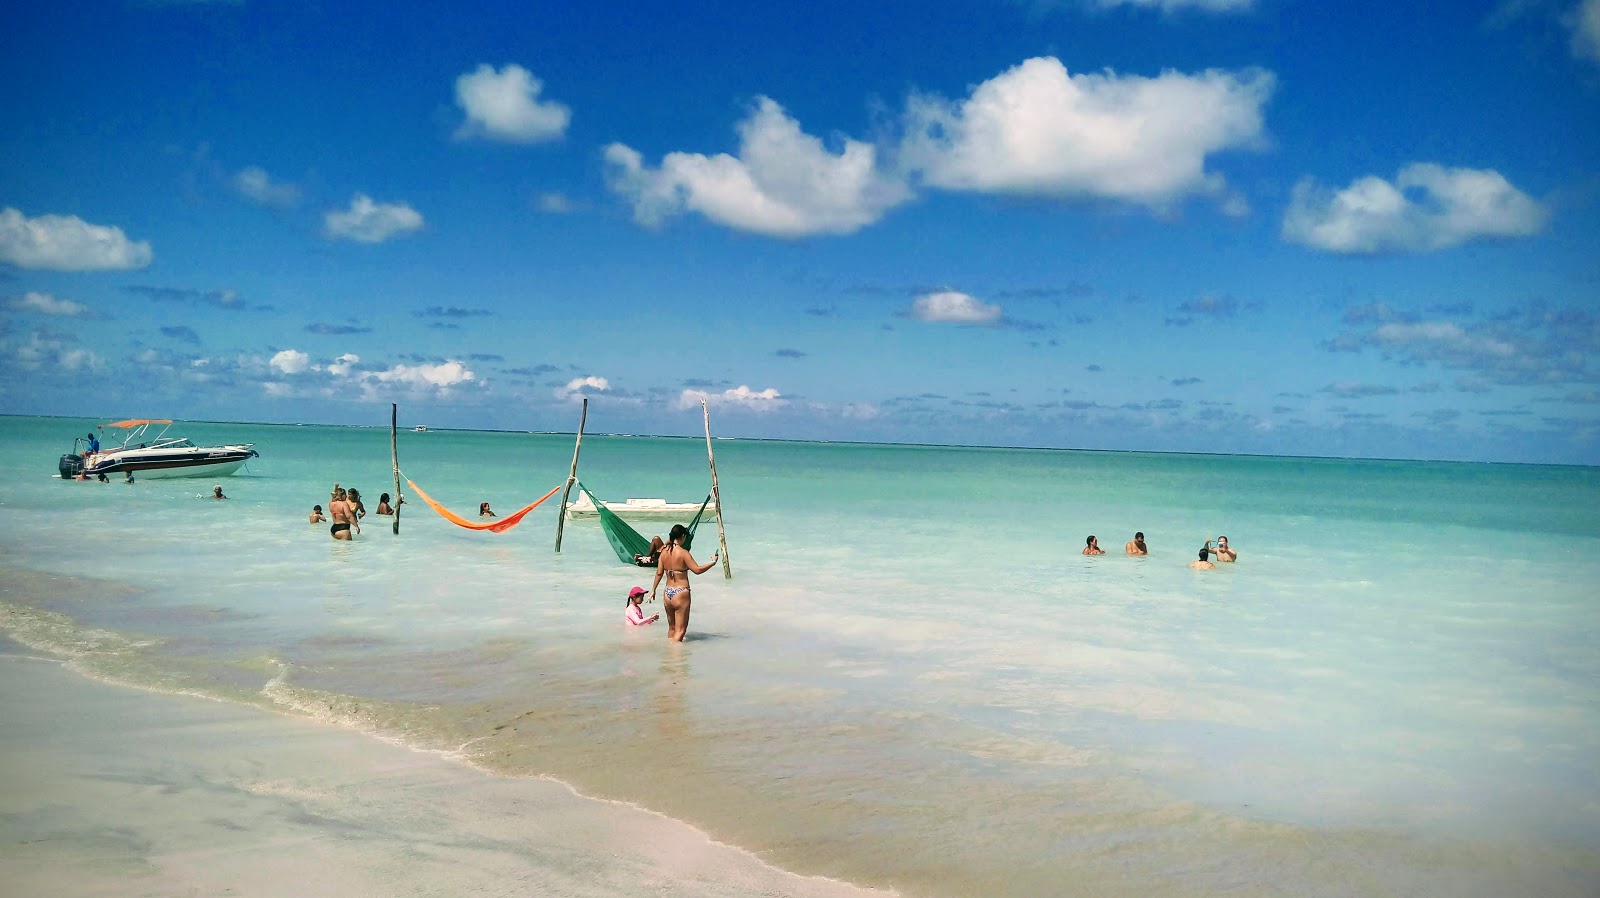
(626,541)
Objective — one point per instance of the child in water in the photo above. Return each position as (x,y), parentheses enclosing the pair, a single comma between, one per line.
(635,613)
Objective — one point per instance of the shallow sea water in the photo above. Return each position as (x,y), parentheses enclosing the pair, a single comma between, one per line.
(914,680)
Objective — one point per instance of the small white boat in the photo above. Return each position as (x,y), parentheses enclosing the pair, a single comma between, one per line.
(158,456)
(420,428)
(632,508)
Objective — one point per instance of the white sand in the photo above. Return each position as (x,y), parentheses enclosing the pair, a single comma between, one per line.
(109,790)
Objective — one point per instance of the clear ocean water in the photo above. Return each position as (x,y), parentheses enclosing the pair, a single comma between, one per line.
(914,680)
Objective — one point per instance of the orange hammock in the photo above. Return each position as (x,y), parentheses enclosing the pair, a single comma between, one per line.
(500,526)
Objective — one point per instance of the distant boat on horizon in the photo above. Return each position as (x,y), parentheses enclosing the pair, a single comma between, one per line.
(420,428)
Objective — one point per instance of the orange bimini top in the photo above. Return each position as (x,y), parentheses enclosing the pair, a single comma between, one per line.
(137,422)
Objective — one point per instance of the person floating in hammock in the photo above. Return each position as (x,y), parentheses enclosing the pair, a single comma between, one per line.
(654,555)
(635,612)
(484,511)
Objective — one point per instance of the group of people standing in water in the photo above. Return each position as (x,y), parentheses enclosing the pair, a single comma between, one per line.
(346,510)
(1136,546)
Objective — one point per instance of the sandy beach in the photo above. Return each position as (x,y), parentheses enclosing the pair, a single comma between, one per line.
(111,790)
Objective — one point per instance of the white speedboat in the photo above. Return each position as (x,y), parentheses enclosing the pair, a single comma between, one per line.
(649,508)
(157,456)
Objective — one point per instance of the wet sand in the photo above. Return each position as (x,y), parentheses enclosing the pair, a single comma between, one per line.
(115,791)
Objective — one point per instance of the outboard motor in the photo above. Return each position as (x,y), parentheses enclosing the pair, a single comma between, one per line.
(71,466)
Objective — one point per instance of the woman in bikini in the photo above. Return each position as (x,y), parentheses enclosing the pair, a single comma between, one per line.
(675,564)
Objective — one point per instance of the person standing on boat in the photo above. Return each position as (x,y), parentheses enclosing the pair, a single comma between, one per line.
(94,444)
(675,564)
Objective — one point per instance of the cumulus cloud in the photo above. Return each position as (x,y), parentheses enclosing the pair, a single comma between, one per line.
(290,361)
(369,222)
(1530,345)
(740,397)
(1038,130)
(255,183)
(1427,207)
(45,304)
(504,105)
(344,364)
(67,243)
(952,307)
(579,386)
(783,182)
(443,376)
(44,352)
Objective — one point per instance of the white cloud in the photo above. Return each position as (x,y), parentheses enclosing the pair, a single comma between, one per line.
(291,361)
(578,386)
(344,364)
(783,182)
(67,243)
(1427,207)
(255,183)
(1586,30)
(369,222)
(952,307)
(45,304)
(442,376)
(1037,130)
(277,389)
(738,397)
(42,352)
(505,105)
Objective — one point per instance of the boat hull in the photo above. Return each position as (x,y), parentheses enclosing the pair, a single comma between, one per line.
(203,462)
(638,508)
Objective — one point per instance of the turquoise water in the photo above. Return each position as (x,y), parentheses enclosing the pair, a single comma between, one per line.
(914,680)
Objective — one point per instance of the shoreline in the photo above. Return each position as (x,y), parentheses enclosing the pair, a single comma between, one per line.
(116,788)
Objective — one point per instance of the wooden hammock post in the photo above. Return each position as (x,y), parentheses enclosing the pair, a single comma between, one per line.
(572,476)
(716,496)
(394,454)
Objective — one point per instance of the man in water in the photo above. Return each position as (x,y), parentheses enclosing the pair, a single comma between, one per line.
(1091,546)
(1203,564)
(1223,552)
(1137,546)
(216,493)
(316,515)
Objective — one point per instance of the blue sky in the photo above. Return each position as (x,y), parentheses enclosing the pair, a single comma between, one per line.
(1266,226)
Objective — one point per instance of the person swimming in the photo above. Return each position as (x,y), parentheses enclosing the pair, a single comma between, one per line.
(1091,546)
(635,611)
(1203,563)
(484,511)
